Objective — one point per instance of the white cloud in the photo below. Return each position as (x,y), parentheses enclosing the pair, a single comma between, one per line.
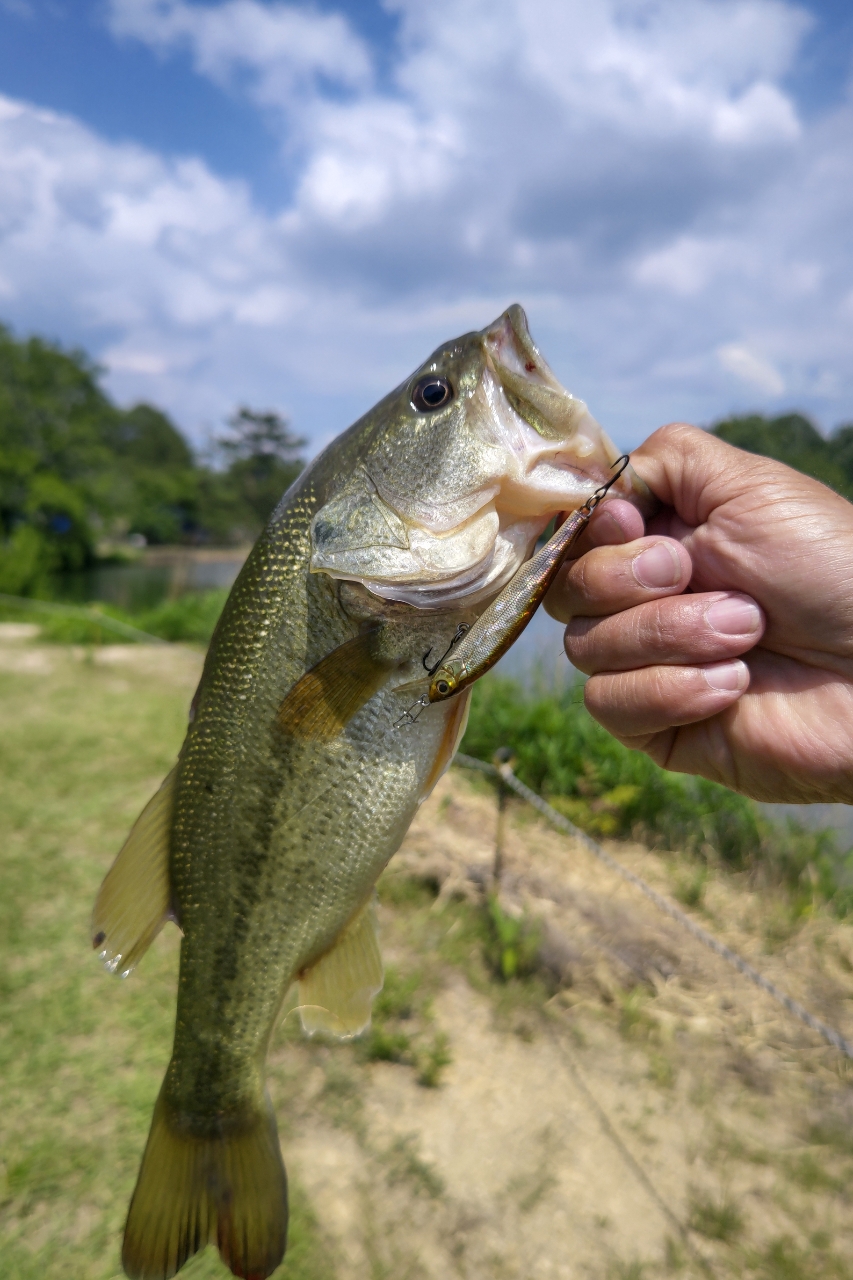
(750,368)
(701,66)
(687,265)
(371,155)
(284,45)
(637,174)
(144,362)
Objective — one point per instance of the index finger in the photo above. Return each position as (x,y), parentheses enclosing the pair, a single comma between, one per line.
(613,523)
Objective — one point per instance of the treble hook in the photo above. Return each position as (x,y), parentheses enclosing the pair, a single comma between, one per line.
(459,633)
(410,716)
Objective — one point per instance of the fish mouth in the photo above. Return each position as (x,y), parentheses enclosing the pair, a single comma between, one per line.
(515,355)
(571,438)
(528,383)
(536,450)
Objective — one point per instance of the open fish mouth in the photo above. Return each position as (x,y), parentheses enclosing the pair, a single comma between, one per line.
(452,505)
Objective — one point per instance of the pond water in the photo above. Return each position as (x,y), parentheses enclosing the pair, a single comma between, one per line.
(158,575)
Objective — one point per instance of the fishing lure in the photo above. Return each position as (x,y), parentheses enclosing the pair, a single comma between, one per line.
(476,649)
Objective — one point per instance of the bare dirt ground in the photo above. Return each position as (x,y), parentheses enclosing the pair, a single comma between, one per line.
(655,1115)
(634,1108)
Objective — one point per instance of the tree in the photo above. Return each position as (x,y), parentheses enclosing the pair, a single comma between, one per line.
(159,477)
(76,470)
(263,461)
(55,426)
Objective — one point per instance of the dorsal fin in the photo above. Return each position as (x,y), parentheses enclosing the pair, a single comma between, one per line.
(320,705)
(134,901)
(336,994)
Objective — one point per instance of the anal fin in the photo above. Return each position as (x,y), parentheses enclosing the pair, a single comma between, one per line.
(336,994)
(134,900)
(320,705)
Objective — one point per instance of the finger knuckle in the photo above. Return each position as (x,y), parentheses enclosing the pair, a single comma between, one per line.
(577,646)
(596,695)
(673,435)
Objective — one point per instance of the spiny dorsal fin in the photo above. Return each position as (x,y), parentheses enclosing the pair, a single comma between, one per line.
(320,705)
(133,903)
(335,994)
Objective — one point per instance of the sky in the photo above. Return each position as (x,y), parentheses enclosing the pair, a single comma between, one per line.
(290,205)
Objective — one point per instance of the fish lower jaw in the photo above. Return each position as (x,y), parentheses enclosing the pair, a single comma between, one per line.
(472,586)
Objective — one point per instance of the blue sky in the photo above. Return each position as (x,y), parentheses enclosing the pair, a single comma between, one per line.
(291,205)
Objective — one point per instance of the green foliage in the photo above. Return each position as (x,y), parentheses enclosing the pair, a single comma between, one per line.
(26,561)
(75,469)
(512,944)
(784,1259)
(718,1219)
(264,461)
(191,618)
(402,1017)
(793,439)
(405,1164)
(380,1045)
(690,887)
(92,625)
(812,1174)
(432,1060)
(608,790)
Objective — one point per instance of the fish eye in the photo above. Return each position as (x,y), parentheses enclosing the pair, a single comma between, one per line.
(431,393)
(443,687)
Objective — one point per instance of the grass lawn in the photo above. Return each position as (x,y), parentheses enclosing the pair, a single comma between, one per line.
(83,743)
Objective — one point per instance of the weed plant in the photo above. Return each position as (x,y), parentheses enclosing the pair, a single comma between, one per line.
(401,1029)
(610,791)
(717,1219)
(511,946)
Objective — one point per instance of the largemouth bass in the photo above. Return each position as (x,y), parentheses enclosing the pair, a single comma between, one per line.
(292,791)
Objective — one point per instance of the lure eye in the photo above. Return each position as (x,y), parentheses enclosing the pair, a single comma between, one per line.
(442,687)
(431,393)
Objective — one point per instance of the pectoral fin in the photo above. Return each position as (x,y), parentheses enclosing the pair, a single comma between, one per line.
(336,994)
(134,901)
(321,704)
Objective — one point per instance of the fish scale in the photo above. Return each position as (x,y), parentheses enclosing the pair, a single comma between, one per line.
(293,790)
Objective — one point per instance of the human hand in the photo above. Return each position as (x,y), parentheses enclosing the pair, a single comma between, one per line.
(721,643)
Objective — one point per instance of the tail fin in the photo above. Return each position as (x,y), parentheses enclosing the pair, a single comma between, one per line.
(191,1191)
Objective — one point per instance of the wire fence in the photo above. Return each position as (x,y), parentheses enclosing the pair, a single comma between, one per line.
(505,775)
